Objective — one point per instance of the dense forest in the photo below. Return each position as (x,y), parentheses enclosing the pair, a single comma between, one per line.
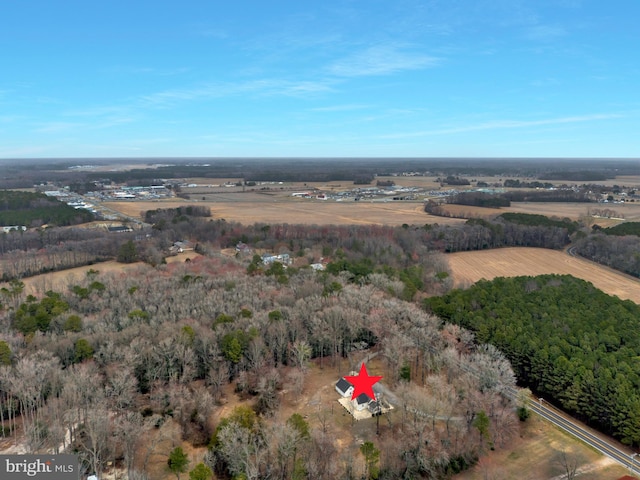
(477,199)
(124,368)
(626,228)
(619,252)
(497,200)
(566,340)
(36,209)
(540,220)
(26,174)
(515,183)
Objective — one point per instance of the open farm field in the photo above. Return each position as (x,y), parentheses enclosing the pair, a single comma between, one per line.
(59,281)
(630,211)
(469,267)
(621,180)
(467,211)
(298,211)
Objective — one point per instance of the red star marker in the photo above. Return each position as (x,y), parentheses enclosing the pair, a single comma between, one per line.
(362,383)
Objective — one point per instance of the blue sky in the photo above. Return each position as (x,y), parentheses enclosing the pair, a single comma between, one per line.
(406,78)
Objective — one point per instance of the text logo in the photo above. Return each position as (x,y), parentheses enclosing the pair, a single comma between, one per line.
(49,467)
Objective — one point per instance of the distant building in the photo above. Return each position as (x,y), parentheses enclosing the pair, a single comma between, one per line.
(119,229)
(179,247)
(269,258)
(243,248)
(14,228)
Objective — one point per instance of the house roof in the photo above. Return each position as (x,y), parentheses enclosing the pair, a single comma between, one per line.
(363,398)
(375,407)
(119,228)
(242,246)
(343,385)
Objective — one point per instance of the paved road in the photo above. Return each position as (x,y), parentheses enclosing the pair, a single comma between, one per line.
(548,412)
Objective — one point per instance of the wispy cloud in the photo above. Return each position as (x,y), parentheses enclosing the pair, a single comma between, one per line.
(508,124)
(545,33)
(266,87)
(11,118)
(143,70)
(214,33)
(545,82)
(103,116)
(57,127)
(341,108)
(381,60)
(15,152)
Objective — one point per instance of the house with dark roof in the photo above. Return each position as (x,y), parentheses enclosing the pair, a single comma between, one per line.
(242,247)
(375,407)
(344,388)
(181,246)
(362,401)
(119,228)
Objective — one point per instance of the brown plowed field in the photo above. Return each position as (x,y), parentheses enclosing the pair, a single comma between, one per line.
(307,212)
(469,267)
(574,211)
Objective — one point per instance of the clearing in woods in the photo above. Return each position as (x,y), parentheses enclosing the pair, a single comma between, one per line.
(537,455)
(61,280)
(469,267)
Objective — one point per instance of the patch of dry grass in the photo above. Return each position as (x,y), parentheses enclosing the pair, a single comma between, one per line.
(535,455)
(276,210)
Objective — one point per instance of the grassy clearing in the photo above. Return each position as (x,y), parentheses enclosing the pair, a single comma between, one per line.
(536,455)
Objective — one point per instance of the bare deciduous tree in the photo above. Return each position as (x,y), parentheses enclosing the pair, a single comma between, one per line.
(244,451)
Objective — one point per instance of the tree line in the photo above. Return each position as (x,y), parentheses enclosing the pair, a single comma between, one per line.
(398,248)
(497,200)
(36,209)
(622,229)
(619,252)
(566,340)
(388,248)
(23,254)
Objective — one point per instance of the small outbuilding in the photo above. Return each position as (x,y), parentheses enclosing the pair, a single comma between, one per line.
(344,387)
